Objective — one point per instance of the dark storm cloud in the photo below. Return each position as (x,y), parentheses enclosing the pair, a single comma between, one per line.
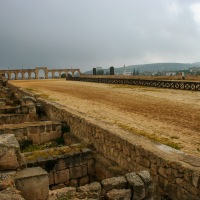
(84,34)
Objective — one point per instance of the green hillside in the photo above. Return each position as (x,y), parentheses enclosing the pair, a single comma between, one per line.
(154,67)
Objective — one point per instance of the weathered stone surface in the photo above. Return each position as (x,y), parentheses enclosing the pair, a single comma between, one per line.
(84,180)
(93,187)
(10,194)
(61,176)
(33,183)
(92,191)
(136,183)
(148,182)
(122,194)
(114,183)
(77,172)
(10,157)
(6,180)
(65,193)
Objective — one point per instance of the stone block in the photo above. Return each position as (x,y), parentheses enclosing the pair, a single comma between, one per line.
(137,185)
(148,182)
(73,183)
(94,187)
(10,157)
(114,183)
(33,183)
(115,194)
(91,166)
(84,180)
(61,176)
(60,165)
(77,172)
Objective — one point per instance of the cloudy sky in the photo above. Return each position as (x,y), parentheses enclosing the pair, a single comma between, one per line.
(90,33)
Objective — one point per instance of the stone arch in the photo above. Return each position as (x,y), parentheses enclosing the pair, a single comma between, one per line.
(41,74)
(32,75)
(19,75)
(76,73)
(56,74)
(50,74)
(25,75)
(6,75)
(69,74)
(63,74)
(13,76)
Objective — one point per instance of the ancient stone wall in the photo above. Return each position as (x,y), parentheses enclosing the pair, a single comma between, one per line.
(175,174)
(66,166)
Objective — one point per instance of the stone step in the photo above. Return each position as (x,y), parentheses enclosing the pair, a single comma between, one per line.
(7,110)
(39,132)
(14,118)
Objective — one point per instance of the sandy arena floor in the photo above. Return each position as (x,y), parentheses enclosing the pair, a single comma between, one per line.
(169,116)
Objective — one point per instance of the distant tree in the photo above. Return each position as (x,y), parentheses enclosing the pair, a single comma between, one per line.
(137,72)
(134,72)
(63,75)
(106,73)
(69,75)
(100,72)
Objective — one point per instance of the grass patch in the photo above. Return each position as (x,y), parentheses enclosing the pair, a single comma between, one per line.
(198,149)
(28,146)
(152,137)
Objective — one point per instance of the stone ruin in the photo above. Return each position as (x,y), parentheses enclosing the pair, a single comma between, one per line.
(42,160)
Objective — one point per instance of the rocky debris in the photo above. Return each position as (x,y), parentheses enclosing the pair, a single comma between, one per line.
(137,185)
(10,194)
(6,180)
(114,183)
(122,194)
(92,190)
(67,192)
(10,157)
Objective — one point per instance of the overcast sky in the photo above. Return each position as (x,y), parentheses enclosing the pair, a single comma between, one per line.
(90,33)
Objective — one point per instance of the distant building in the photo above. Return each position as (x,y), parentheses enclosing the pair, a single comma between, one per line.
(194,70)
(127,73)
(170,74)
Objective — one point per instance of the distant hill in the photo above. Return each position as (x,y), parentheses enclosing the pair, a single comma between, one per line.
(154,67)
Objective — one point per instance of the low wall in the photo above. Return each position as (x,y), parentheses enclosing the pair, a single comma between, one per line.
(169,84)
(175,174)
(39,133)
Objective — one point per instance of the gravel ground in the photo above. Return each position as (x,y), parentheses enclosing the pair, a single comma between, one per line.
(169,116)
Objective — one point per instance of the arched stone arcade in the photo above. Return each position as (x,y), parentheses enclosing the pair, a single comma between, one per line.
(36,73)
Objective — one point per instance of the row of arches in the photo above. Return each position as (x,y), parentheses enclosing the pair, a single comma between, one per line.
(39,74)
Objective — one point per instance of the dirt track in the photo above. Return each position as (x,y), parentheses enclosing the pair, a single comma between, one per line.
(169,116)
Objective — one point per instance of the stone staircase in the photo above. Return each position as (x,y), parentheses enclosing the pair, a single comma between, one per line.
(67,171)
(23,121)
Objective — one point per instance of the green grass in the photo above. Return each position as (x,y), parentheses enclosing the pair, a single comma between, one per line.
(152,137)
